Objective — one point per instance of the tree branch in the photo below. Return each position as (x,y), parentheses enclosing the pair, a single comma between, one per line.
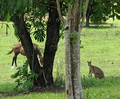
(76,16)
(84,13)
(76,5)
(59,11)
(81,9)
(38,3)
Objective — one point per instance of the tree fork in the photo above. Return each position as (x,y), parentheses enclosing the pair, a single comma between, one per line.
(51,44)
(31,55)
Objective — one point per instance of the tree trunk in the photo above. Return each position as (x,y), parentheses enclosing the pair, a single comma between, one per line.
(72,57)
(89,12)
(68,80)
(73,28)
(29,50)
(52,39)
(87,20)
(75,55)
(75,67)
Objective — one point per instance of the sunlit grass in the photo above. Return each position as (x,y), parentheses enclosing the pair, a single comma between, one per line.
(38,96)
(101,45)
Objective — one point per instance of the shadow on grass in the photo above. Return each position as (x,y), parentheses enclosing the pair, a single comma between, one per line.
(88,82)
(7,90)
(7,87)
(101,27)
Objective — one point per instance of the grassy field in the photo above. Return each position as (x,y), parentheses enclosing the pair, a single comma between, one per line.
(101,45)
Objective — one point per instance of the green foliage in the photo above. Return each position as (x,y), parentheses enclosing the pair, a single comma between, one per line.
(33,13)
(102,10)
(99,12)
(40,29)
(16,32)
(11,7)
(74,37)
(36,21)
(39,35)
(24,77)
(88,82)
(59,81)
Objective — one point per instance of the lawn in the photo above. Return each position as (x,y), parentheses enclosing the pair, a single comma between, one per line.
(101,45)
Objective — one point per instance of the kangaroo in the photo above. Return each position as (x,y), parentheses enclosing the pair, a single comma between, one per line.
(95,70)
(18,49)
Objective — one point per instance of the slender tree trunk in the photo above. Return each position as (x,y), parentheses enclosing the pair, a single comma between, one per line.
(68,81)
(87,20)
(73,28)
(52,39)
(89,12)
(72,53)
(29,50)
(75,67)
(75,54)
(73,57)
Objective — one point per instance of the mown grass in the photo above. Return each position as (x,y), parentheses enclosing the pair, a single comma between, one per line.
(101,45)
(45,95)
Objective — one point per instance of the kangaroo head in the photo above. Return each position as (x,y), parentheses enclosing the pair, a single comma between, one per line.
(89,63)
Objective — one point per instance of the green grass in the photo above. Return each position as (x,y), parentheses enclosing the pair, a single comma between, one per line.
(100,45)
(38,96)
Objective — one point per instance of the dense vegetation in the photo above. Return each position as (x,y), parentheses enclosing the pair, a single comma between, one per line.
(101,45)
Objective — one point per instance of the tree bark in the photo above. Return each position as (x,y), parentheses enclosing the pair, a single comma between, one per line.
(73,28)
(89,12)
(68,80)
(31,55)
(75,66)
(87,20)
(75,53)
(52,40)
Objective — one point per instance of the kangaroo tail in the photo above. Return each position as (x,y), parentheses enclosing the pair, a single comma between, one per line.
(10,52)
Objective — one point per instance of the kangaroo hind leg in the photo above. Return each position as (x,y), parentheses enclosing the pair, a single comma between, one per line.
(14,63)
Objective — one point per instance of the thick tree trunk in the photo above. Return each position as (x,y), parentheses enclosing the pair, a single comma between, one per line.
(29,50)
(52,39)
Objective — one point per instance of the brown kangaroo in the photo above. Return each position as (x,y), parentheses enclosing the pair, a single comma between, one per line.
(95,70)
(18,48)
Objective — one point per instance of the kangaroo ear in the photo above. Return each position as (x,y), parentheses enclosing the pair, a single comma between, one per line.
(90,61)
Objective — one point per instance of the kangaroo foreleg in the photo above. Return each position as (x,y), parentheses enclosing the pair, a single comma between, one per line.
(90,73)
